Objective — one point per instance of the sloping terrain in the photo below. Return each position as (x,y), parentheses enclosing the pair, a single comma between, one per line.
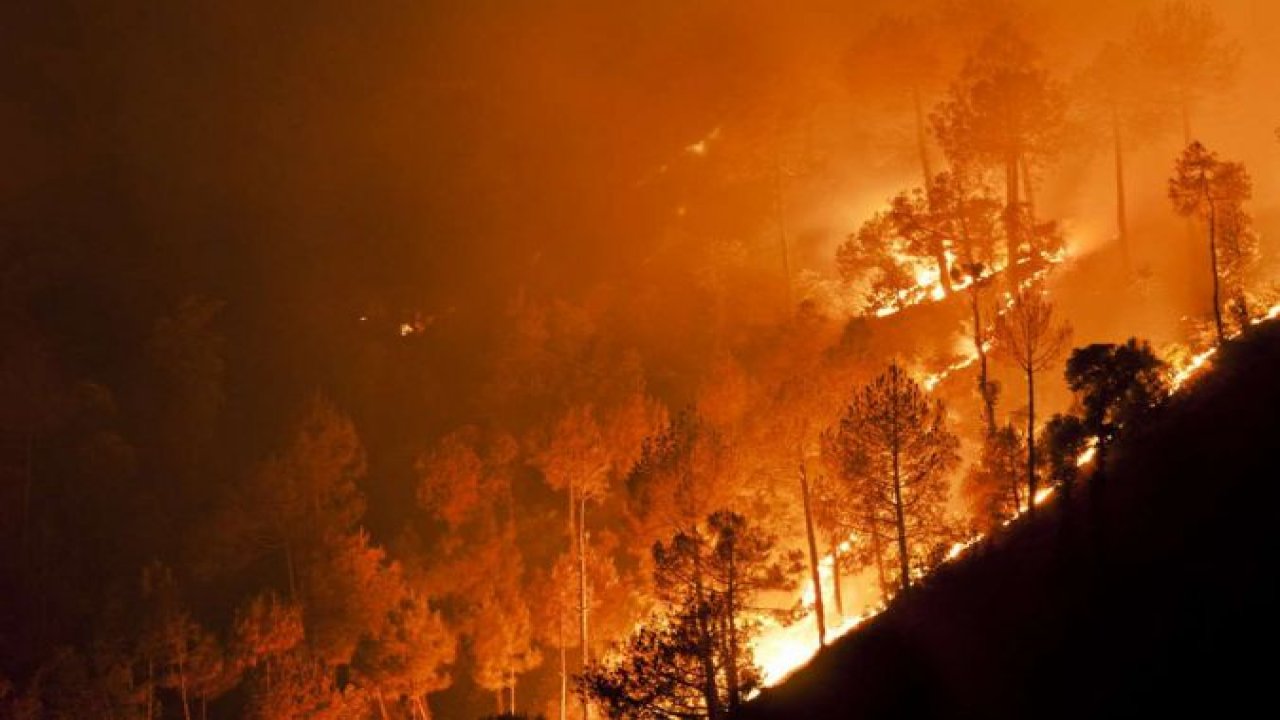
(1148,591)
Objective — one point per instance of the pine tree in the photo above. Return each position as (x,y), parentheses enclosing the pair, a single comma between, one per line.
(894,451)
(693,658)
(1029,338)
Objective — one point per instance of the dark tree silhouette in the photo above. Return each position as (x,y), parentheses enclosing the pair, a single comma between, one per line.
(1065,440)
(1117,385)
(694,658)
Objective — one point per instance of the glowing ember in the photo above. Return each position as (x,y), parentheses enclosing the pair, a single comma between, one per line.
(701,147)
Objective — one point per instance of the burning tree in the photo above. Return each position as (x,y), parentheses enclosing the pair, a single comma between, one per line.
(694,659)
(876,251)
(1004,111)
(1214,191)
(975,221)
(894,450)
(1029,338)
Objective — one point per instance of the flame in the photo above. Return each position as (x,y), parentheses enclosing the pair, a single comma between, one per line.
(932,380)
(1203,359)
(928,282)
(1087,455)
(782,649)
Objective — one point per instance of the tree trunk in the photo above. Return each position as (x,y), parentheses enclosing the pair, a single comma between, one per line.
(564,672)
(877,549)
(382,705)
(706,648)
(182,692)
(979,346)
(733,683)
(1213,265)
(1122,219)
(944,269)
(1028,191)
(922,138)
(1012,219)
(835,580)
(816,575)
(1015,484)
(1031,439)
(899,515)
(582,597)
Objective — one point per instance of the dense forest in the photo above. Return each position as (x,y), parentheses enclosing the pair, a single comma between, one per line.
(500,359)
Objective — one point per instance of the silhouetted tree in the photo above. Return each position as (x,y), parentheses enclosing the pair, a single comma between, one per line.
(694,658)
(1065,439)
(1117,385)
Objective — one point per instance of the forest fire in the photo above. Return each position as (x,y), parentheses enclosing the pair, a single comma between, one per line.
(781,649)
(587,360)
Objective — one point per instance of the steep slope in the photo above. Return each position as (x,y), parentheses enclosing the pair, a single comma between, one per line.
(1149,590)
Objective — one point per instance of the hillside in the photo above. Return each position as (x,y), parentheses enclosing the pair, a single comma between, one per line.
(1149,589)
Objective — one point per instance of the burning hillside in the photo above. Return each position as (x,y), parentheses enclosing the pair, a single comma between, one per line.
(600,360)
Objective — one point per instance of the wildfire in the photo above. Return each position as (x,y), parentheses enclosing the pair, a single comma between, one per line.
(1198,362)
(932,380)
(1089,453)
(782,649)
(929,288)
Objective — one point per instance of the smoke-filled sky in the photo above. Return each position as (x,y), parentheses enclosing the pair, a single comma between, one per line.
(447,152)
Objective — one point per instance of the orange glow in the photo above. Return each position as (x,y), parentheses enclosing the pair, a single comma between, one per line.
(782,649)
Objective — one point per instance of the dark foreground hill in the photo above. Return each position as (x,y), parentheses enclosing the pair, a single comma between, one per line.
(1150,593)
